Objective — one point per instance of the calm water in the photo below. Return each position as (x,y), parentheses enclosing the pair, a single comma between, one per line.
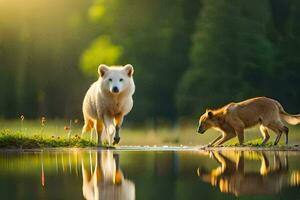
(108,174)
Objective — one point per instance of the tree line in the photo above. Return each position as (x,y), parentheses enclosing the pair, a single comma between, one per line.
(188,55)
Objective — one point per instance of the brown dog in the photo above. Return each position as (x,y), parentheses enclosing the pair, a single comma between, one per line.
(233,118)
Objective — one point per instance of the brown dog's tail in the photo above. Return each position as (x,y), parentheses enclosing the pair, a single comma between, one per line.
(291,119)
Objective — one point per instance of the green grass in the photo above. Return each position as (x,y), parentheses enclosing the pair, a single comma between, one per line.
(53,133)
(255,143)
(20,141)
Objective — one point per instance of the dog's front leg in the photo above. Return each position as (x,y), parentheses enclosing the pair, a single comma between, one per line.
(225,138)
(214,141)
(240,136)
(109,127)
(118,123)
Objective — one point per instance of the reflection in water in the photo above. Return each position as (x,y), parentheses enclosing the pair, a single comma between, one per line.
(93,174)
(232,177)
(105,180)
(102,177)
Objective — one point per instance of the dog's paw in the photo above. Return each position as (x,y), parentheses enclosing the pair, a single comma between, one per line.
(116,140)
(206,146)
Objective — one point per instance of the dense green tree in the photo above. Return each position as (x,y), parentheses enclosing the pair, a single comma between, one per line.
(188,55)
(285,74)
(155,38)
(39,48)
(230,55)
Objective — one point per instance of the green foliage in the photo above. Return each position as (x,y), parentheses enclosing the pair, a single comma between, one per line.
(96,12)
(188,55)
(40,43)
(155,38)
(285,77)
(100,51)
(230,55)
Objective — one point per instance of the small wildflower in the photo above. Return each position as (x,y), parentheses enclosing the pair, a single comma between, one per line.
(67,128)
(22,121)
(58,137)
(76,121)
(43,121)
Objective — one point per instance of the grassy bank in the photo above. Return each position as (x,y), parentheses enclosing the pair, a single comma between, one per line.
(20,141)
(35,134)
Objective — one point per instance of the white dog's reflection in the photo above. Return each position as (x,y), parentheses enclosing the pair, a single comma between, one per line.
(105,180)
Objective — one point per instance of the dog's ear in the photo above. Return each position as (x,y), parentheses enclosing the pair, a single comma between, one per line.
(102,69)
(210,114)
(129,70)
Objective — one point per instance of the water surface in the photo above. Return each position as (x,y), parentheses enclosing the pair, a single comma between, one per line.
(159,174)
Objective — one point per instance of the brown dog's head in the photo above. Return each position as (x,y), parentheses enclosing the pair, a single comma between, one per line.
(206,121)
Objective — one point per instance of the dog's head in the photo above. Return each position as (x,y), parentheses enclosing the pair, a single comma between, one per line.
(115,79)
(207,121)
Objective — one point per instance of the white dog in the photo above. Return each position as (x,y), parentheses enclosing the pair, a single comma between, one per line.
(108,100)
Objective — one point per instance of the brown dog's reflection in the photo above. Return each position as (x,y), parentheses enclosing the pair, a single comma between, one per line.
(105,180)
(231,176)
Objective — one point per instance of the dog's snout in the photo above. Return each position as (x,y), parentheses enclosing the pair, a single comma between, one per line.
(115,89)
(200,130)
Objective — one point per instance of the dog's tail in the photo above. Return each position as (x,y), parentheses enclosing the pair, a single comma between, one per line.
(291,119)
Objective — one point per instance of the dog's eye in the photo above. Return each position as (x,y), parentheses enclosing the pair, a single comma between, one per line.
(110,80)
(121,79)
